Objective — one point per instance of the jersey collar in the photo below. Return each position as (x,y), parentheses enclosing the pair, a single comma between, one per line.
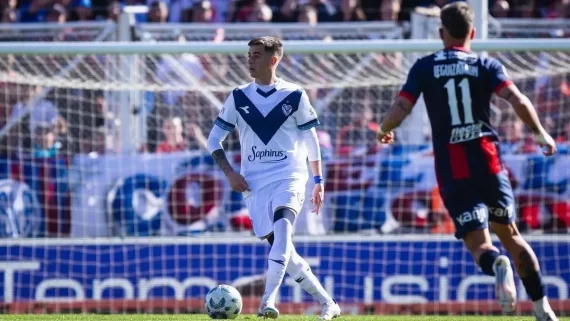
(458,48)
(275,84)
(267,89)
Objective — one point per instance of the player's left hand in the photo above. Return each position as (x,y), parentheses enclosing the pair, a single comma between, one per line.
(387,138)
(317,198)
(547,143)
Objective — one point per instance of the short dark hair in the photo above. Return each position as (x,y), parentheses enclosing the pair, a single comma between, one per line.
(270,44)
(457,18)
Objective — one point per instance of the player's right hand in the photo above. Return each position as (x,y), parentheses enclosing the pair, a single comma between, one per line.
(387,138)
(237,182)
(546,142)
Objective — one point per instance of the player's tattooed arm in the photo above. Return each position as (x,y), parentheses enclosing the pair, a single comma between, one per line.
(509,95)
(222,161)
(534,128)
(237,181)
(397,113)
(401,104)
(523,107)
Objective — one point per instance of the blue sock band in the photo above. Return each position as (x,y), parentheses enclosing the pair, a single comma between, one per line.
(534,286)
(486,261)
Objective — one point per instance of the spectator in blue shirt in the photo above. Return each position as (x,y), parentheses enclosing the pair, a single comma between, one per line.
(34,11)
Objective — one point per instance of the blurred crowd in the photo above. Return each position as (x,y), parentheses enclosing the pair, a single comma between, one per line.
(311,11)
(68,122)
(65,122)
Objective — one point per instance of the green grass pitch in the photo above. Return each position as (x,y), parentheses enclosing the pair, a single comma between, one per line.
(196,317)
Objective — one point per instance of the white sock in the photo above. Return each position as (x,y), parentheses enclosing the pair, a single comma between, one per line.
(301,272)
(541,306)
(279,256)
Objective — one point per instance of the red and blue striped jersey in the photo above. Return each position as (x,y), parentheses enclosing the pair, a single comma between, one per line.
(457,86)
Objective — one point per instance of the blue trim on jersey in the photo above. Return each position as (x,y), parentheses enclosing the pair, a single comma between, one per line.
(266,94)
(310,124)
(224,124)
(266,127)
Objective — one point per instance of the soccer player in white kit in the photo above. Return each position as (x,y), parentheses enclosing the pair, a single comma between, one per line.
(276,129)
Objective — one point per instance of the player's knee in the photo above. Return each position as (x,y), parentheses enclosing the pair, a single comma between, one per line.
(478,242)
(283,231)
(487,247)
(483,248)
(284,213)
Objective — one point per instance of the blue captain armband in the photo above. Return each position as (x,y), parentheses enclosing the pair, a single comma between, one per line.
(318,179)
(224,124)
(310,124)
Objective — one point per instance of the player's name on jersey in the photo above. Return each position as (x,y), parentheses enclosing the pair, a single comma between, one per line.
(456,69)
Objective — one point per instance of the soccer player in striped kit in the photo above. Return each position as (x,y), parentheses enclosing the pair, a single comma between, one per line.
(457,86)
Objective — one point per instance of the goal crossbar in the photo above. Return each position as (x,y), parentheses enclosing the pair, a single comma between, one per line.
(309,46)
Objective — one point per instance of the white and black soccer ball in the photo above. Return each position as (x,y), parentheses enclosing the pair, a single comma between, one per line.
(223,302)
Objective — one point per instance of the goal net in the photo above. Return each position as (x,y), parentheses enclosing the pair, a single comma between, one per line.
(109,201)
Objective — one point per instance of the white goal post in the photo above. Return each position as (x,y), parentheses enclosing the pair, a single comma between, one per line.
(120,223)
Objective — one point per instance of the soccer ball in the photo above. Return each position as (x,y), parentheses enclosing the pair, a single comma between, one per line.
(223,302)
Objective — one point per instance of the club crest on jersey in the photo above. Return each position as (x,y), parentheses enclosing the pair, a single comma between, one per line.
(287,109)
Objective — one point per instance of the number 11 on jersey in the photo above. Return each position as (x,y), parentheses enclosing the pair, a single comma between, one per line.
(465,101)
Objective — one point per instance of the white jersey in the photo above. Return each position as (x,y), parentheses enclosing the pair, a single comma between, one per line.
(270,124)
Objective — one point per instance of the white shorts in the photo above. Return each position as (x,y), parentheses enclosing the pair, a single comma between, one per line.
(261,204)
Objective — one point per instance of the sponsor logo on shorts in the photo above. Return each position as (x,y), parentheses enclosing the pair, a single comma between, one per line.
(502,212)
(479,214)
(266,155)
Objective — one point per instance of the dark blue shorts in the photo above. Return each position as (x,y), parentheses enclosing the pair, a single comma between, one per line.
(473,202)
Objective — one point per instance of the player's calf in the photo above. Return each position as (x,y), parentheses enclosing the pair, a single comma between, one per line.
(279,255)
(478,242)
(527,267)
(301,272)
(492,263)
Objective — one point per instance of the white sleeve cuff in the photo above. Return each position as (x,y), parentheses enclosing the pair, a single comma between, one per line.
(312,143)
(215,139)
